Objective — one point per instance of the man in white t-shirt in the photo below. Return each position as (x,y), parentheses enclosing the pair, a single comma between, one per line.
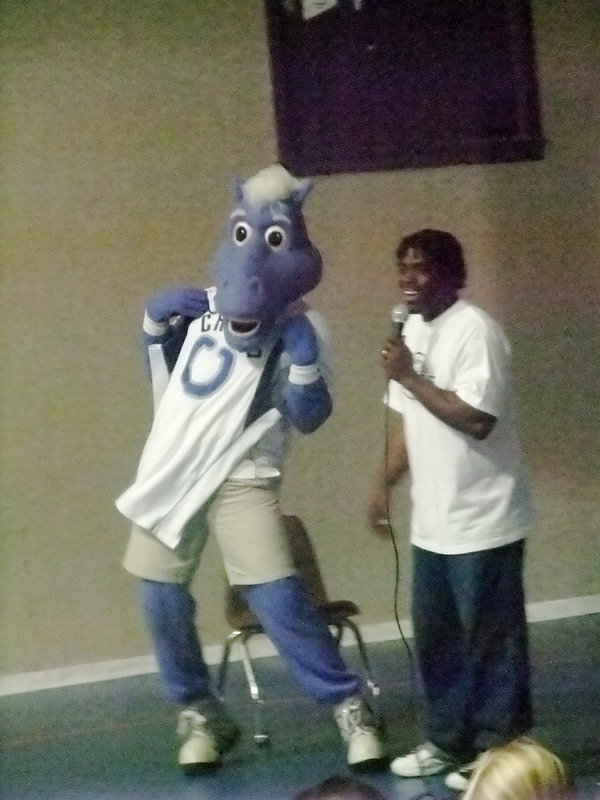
(455,432)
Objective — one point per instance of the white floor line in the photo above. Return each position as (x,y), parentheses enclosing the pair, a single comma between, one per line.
(261,647)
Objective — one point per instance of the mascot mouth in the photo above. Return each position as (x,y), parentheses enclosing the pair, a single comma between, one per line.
(243,327)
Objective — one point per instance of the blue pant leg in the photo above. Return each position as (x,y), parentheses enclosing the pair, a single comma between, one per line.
(492,608)
(471,639)
(441,650)
(169,610)
(302,638)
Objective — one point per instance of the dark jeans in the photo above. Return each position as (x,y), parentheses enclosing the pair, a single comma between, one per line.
(471,642)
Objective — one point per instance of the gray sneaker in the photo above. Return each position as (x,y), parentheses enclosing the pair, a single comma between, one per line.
(360,731)
(207,732)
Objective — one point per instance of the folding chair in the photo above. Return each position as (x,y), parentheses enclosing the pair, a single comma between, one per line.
(244,625)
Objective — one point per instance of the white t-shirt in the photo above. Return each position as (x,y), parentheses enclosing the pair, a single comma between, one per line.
(467,494)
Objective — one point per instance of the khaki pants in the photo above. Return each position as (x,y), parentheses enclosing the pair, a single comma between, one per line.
(244,517)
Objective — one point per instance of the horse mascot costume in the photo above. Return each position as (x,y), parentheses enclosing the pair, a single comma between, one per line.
(235,368)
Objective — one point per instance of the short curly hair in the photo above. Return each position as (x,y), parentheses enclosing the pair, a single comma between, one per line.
(442,249)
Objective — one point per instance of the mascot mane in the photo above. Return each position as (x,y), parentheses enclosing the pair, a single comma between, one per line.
(272,184)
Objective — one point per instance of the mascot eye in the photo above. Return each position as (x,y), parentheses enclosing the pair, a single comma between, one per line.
(241,233)
(275,237)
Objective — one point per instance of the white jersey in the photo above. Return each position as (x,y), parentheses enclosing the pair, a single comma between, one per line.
(198,436)
(467,494)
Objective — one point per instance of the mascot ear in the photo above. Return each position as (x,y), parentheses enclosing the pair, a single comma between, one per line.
(302,191)
(238,190)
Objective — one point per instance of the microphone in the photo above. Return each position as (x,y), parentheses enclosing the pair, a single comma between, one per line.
(399,315)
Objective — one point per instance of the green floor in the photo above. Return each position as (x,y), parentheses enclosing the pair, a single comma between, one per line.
(116,739)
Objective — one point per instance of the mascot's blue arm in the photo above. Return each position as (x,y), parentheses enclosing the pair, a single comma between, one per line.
(180,302)
(171,342)
(306,401)
(306,407)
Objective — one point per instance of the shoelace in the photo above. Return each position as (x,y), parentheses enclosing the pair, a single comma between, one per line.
(350,720)
(424,753)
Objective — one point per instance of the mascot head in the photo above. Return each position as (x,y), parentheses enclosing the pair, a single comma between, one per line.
(266,261)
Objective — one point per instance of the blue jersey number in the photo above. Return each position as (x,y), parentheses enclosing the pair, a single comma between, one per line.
(209,386)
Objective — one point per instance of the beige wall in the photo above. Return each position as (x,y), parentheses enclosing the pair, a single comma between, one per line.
(123,124)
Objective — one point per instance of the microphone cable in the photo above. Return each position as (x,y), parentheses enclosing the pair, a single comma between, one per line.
(412,672)
(399,315)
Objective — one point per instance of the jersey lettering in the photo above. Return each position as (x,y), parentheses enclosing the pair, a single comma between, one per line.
(209,323)
(212,384)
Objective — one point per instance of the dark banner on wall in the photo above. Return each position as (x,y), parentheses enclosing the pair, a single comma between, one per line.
(391,84)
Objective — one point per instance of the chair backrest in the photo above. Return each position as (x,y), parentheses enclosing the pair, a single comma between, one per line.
(237,613)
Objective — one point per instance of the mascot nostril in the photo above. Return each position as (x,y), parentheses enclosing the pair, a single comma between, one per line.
(235,368)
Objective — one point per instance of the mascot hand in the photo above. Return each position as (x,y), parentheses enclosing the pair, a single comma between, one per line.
(300,341)
(179,300)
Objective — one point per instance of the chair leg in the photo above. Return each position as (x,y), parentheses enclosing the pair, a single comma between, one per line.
(373,687)
(260,735)
(223,666)
(339,631)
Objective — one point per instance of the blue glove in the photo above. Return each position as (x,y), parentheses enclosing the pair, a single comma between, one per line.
(300,341)
(178,300)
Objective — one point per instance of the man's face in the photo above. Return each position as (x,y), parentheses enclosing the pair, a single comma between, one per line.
(424,288)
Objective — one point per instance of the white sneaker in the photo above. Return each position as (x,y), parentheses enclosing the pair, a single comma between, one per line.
(459,778)
(426,759)
(359,730)
(207,732)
